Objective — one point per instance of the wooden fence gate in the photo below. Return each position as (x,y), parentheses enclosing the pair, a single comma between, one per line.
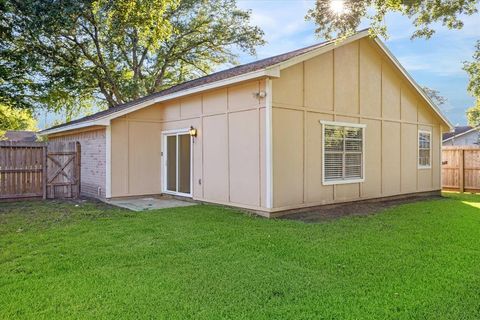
(34,169)
(461,168)
(63,170)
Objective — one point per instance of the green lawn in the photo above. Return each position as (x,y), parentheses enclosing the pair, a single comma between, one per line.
(416,261)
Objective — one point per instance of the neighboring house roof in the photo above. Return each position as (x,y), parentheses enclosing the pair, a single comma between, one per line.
(20,136)
(261,68)
(459,131)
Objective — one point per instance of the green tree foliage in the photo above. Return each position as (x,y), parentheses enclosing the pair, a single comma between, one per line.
(473,70)
(76,53)
(16,87)
(342,18)
(16,119)
(473,115)
(424,14)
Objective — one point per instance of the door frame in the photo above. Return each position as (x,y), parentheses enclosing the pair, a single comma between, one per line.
(165,134)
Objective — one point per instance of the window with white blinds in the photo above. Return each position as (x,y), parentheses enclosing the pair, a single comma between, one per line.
(343,147)
(424,147)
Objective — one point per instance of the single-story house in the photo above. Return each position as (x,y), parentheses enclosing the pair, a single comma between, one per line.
(333,122)
(462,136)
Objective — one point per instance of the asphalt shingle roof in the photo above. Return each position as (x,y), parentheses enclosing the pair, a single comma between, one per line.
(458,130)
(217,76)
(21,136)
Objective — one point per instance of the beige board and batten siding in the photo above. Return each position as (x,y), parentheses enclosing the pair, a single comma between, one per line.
(93,159)
(355,83)
(228,152)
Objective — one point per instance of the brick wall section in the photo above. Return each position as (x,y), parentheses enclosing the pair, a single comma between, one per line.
(93,164)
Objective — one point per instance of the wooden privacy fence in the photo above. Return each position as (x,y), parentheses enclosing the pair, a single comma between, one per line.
(461,168)
(22,169)
(36,169)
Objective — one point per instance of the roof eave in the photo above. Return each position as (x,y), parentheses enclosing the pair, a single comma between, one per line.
(358,36)
(105,120)
(461,134)
(271,71)
(72,127)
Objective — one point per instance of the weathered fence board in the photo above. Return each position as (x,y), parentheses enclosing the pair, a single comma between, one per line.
(34,169)
(21,167)
(461,168)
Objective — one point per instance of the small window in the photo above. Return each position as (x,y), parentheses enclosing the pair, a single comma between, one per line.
(424,147)
(343,146)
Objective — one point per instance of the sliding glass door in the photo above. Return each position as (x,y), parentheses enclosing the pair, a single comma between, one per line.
(177,158)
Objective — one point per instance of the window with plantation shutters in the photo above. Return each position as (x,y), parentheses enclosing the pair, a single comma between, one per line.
(343,147)
(424,147)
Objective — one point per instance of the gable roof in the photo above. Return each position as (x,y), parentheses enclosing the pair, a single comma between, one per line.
(269,67)
(459,131)
(211,78)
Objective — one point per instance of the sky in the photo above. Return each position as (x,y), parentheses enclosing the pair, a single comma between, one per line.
(435,63)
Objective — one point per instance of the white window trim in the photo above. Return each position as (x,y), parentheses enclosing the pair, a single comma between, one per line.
(419,166)
(342,124)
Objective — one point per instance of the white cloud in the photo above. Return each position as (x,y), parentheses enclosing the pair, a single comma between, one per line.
(440,65)
(283,23)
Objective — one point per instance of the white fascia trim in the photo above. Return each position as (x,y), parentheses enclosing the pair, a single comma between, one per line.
(108,162)
(355,37)
(269,144)
(327,47)
(413,82)
(72,127)
(461,134)
(105,120)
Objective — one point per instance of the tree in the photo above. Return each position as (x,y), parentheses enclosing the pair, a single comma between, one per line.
(16,119)
(473,115)
(435,96)
(473,70)
(15,86)
(342,17)
(106,52)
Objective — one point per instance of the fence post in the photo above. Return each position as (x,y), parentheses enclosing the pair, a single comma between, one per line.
(462,170)
(44,173)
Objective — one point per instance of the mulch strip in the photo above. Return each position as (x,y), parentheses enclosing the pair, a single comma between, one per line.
(359,208)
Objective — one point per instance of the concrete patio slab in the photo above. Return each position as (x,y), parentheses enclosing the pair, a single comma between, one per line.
(149,203)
